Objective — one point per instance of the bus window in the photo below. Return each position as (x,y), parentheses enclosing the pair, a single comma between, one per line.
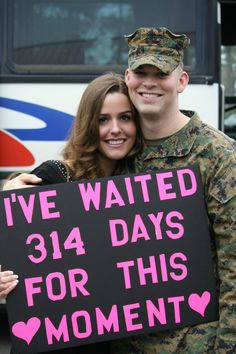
(85,36)
(51,49)
(228,57)
(228,65)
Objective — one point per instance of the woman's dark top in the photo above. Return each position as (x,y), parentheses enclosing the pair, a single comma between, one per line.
(53,171)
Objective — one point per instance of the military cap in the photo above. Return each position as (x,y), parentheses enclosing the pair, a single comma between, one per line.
(156,46)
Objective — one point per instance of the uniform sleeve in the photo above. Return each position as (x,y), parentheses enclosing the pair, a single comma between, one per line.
(222,214)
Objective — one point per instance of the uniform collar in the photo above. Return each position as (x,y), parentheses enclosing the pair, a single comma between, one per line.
(178,144)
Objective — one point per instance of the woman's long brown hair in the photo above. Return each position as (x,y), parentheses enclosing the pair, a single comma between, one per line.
(80,152)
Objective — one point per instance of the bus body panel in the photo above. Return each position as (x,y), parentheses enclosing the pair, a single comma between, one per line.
(50,50)
(38,117)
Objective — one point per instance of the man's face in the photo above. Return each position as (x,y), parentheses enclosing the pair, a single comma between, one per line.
(153,92)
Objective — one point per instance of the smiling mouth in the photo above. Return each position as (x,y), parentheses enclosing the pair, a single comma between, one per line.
(149,94)
(116,142)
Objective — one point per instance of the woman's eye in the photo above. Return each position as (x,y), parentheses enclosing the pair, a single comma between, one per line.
(126,117)
(102,119)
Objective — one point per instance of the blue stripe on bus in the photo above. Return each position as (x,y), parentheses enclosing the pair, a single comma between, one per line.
(57,123)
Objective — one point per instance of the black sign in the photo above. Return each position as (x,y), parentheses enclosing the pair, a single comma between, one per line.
(106,259)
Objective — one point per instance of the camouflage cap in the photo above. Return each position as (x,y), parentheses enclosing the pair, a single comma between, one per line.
(156,46)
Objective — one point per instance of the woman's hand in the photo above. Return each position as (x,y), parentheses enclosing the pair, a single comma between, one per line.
(23,180)
(8,281)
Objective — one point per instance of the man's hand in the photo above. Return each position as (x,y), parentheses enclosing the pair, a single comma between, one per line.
(23,180)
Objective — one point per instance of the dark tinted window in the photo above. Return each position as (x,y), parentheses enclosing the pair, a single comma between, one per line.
(228,65)
(88,35)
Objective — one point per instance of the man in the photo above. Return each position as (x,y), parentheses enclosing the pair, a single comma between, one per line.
(175,138)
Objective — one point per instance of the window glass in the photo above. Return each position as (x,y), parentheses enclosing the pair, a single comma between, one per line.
(228,77)
(90,33)
(228,69)
(230,120)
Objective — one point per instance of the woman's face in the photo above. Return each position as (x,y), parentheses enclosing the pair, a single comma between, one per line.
(117,130)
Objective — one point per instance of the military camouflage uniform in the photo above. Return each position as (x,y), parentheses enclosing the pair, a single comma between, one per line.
(216,155)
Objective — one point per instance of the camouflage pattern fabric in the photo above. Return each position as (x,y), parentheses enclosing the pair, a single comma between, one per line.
(216,155)
(156,46)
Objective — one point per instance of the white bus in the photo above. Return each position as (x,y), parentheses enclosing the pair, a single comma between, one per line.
(51,49)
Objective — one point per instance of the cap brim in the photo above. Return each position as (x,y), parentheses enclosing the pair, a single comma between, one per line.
(163,63)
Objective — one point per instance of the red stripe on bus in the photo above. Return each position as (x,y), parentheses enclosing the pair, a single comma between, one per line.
(13,153)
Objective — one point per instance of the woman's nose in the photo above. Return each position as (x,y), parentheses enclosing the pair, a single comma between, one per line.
(115,127)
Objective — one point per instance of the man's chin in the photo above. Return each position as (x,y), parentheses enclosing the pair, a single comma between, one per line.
(148,114)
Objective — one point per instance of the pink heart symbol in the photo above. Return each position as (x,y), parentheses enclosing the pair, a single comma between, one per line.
(26,331)
(199,303)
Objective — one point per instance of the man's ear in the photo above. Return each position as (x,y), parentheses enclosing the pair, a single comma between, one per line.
(183,81)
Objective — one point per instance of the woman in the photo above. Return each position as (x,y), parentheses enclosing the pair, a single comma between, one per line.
(103,141)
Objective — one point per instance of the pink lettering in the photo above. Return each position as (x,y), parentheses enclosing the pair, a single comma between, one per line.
(170,223)
(159,313)
(129,317)
(112,191)
(129,190)
(62,286)
(156,220)
(182,267)
(183,189)
(27,209)
(164,187)
(30,289)
(126,265)
(113,231)
(61,331)
(46,205)
(143,181)
(90,195)
(87,321)
(108,323)
(131,314)
(57,281)
(176,300)
(139,226)
(8,211)
(164,273)
(74,285)
(151,269)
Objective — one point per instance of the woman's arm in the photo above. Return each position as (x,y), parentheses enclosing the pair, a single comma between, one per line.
(22,180)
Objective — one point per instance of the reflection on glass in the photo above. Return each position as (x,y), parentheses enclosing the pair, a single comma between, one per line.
(91,32)
(228,69)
